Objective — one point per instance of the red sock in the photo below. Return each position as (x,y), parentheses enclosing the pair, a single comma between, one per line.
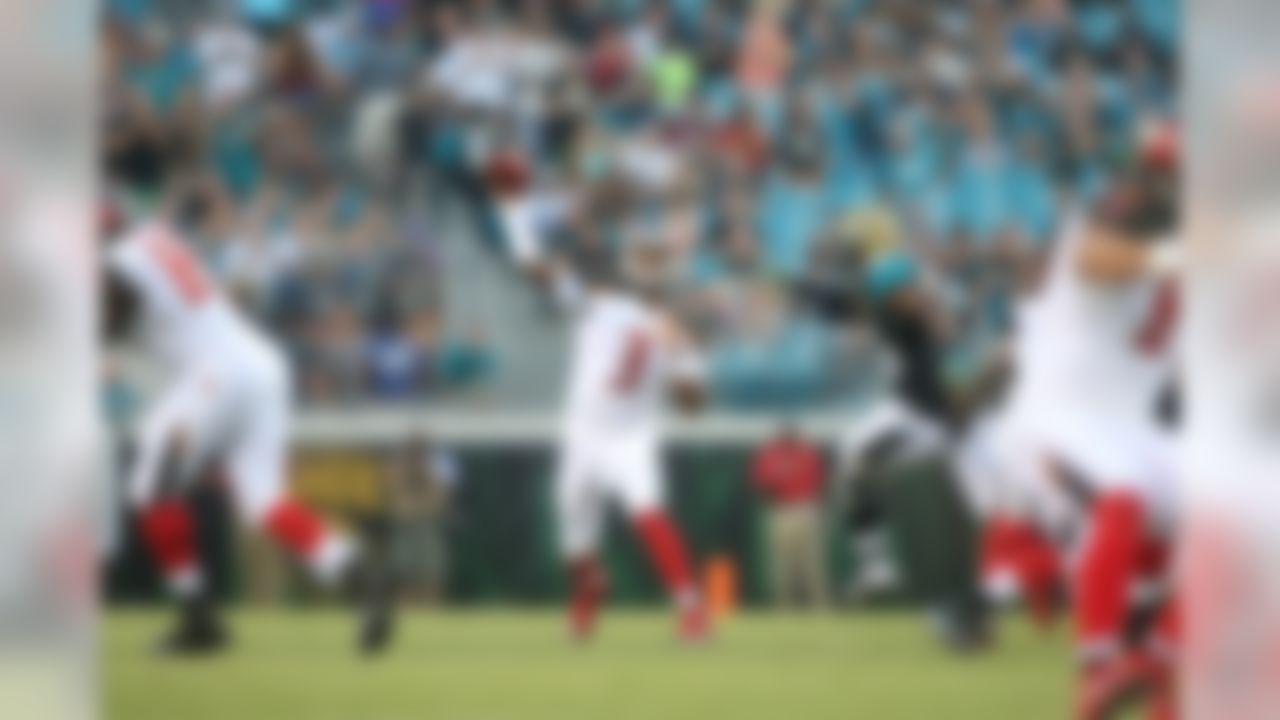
(587,591)
(1013,546)
(1163,647)
(1168,629)
(996,544)
(1040,573)
(1109,562)
(296,527)
(299,529)
(169,533)
(1153,559)
(666,550)
(1002,545)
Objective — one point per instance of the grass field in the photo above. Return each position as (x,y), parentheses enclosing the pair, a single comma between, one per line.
(518,666)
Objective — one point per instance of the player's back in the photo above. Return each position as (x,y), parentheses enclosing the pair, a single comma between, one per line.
(185,318)
(1106,347)
(617,368)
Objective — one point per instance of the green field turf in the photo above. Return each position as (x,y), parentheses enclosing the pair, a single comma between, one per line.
(518,666)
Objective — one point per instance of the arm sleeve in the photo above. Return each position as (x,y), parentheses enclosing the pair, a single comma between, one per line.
(521,230)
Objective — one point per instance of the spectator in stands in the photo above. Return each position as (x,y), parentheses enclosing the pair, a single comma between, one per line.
(743,143)
(335,355)
(397,366)
(745,131)
(790,473)
(764,57)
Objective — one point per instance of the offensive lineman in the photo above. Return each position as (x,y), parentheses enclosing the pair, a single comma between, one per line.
(227,403)
(1103,334)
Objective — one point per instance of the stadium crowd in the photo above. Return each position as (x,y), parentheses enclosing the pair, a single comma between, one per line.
(777,146)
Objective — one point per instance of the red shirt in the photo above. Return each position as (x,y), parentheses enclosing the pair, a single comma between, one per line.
(789,471)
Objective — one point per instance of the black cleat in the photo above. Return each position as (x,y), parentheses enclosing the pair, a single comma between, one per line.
(199,632)
(963,627)
(375,595)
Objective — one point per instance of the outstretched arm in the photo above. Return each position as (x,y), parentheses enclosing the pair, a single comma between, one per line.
(688,370)
(557,280)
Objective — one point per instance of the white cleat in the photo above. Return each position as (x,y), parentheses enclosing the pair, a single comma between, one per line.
(876,580)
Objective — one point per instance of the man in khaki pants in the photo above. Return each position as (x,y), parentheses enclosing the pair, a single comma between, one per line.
(790,472)
(423,479)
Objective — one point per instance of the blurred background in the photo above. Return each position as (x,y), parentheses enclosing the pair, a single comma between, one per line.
(372,170)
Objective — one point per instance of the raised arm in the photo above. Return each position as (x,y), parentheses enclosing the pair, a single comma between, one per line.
(688,365)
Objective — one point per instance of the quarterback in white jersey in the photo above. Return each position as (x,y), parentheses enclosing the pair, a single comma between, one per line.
(618,382)
(226,404)
(628,356)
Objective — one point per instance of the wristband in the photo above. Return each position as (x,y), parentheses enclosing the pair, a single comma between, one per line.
(1165,258)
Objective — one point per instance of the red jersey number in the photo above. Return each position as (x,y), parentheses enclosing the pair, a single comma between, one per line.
(635,362)
(182,269)
(1156,331)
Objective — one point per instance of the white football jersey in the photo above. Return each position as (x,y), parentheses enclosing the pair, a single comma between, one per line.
(185,318)
(1105,350)
(619,367)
